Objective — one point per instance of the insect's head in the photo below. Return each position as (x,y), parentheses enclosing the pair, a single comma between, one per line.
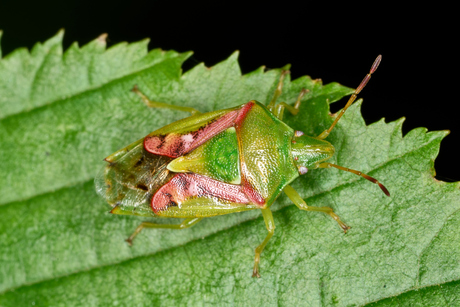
(308,152)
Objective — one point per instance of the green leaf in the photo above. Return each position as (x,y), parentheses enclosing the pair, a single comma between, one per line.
(62,113)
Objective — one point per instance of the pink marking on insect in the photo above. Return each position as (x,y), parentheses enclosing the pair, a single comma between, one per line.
(243,112)
(248,189)
(253,195)
(184,186)
(187,138)
(175,145)
(298,133)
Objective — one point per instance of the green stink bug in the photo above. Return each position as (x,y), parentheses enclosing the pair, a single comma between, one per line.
(217,163)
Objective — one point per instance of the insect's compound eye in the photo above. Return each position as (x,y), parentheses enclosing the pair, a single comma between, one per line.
(303,170)
(298,133)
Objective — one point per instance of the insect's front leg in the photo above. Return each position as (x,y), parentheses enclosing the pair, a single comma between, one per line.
(302,205)
(279,89)
(185,224)
(270,224)
(279,108)
(156,104)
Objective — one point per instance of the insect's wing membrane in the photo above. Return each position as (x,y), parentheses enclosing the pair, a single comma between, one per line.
(129,182)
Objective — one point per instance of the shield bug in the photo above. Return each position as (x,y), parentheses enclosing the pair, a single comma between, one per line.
(217,163)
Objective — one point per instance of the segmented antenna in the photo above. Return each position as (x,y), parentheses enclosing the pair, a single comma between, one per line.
(366,79)
(371,179)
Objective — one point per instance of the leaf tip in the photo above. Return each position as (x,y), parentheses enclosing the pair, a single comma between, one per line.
(102,39)
(286,67)
(187,54)
(234,56)
(317,81)
(60,33)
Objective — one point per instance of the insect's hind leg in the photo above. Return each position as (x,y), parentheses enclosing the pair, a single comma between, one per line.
(185,224)
(302,205)
(156,104)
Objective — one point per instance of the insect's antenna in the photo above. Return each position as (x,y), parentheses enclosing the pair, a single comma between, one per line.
(366,79)
(371,179)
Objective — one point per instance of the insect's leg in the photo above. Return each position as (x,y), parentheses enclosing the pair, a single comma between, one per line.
(185,224)
(279,89)
(279,108)
(371,179)
(270,224)
(366,79)
(302,205)
(156,104)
